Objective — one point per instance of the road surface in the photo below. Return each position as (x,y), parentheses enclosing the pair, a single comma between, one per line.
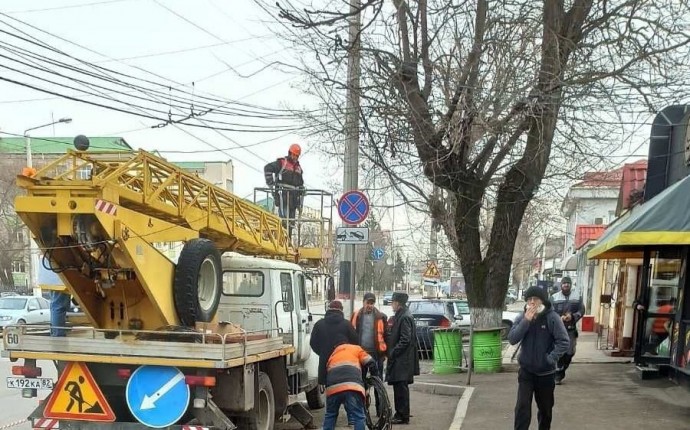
(15,408)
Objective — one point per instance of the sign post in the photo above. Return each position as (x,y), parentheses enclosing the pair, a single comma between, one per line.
(353,208)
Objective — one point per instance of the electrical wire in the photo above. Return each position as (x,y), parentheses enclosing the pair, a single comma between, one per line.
(125,75)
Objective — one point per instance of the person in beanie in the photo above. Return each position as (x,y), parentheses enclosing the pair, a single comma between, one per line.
(330,331)
(568,305)
(544,340)
(403,362)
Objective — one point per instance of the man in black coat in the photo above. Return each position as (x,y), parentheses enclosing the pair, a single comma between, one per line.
(403,362)
(330,332)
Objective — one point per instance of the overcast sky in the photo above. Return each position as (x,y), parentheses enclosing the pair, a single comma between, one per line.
(214,36)
(209,44)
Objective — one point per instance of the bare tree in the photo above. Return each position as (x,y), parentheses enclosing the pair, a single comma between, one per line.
(12,237)
(485,99)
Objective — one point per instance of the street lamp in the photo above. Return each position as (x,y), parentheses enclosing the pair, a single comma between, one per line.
(29,159)
(29,163)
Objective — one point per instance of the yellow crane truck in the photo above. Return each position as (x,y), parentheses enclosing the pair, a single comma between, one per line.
(217,339)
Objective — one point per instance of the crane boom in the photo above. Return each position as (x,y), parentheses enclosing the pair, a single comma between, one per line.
(98,215)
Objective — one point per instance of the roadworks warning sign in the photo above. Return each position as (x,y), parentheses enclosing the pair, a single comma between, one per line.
(77,397)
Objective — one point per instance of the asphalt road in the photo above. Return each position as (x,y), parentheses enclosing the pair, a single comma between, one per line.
(15,408)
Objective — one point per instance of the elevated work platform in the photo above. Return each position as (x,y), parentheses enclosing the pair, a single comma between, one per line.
(97,216)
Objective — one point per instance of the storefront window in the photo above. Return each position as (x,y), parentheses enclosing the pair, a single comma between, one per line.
(661,302)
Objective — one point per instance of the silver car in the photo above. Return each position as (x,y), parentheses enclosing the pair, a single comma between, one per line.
(24,310)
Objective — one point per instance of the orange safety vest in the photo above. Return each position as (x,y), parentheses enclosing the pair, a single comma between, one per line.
(344,369)
(379,327)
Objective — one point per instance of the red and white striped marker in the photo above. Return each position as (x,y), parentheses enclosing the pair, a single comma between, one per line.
(106,207)
(46,424)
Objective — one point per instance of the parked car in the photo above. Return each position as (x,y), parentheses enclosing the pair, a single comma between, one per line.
(429,315)
(463,307)
(387,296)
(24,310)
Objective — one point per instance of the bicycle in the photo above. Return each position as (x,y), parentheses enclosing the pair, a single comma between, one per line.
(384,413)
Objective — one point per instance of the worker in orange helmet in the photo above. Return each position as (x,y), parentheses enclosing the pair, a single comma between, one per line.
(285,174)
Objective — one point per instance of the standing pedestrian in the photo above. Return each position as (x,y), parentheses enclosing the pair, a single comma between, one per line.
(330,331)
(568,305)
(403,362)
(370,325)
(345,385)
(544,340)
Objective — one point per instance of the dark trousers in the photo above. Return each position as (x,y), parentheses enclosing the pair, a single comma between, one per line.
(542,388)
(564,363)
(401,397)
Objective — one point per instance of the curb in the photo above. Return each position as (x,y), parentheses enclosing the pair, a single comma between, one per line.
(438,389)
(461,409)
(464,392)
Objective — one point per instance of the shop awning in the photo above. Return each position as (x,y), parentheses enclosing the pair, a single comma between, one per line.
(570,264)
(663,220)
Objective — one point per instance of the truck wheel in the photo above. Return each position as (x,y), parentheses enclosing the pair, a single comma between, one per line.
(262,417)
(315,398)
(198,282)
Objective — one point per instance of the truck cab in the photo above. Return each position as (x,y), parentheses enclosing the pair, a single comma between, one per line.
(263,295)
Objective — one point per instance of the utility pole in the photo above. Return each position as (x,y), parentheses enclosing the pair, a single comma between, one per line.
(351,158)
(433,241)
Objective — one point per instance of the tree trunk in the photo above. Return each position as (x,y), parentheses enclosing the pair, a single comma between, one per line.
(486,317)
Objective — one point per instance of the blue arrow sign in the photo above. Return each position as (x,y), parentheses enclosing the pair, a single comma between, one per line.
(157,396)
(353,207)
(377,253)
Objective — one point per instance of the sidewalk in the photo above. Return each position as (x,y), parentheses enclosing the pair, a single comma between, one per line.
(599,392)
(432,407)
(587,352)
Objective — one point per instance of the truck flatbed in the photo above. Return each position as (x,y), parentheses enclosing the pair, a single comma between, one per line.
(199,350)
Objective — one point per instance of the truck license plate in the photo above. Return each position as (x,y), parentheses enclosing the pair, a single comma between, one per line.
(37,383)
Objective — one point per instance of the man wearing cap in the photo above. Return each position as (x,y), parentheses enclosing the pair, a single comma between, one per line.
(370,325)
(568,305)
(330,331)
(544,340)
(403,362)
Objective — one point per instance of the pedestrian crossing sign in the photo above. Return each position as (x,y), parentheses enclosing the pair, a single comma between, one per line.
(77,397)
(431,271)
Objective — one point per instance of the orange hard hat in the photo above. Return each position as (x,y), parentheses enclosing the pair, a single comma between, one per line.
(295,150)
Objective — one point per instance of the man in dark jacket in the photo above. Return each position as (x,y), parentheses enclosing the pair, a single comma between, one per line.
(568,305)
(544,340)
(330,332)
(403,362)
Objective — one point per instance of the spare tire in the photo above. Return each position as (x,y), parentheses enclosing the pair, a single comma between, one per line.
(198,282)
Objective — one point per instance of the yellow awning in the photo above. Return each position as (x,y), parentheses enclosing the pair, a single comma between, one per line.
(663,220)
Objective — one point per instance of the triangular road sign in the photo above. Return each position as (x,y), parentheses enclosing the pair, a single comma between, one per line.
(431,271)
(77,397)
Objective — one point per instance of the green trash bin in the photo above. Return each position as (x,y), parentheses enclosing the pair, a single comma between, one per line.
(447,351)
(486,350)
